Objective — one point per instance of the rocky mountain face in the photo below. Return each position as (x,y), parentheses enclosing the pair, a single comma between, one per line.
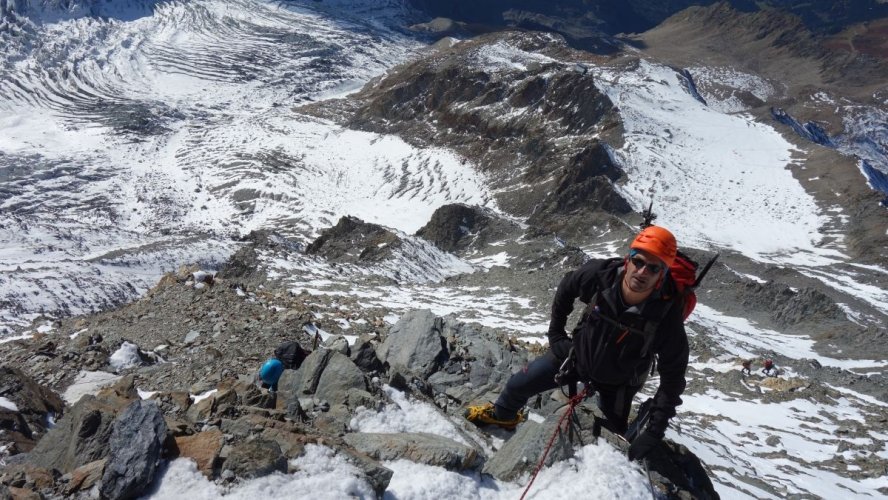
(538,127)
(205,404)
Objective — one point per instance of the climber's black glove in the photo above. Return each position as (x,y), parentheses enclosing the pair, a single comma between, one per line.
(643,444)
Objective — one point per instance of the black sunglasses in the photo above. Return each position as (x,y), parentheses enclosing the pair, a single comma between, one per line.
(640,264)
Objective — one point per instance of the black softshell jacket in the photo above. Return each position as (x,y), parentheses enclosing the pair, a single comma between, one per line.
(605,353)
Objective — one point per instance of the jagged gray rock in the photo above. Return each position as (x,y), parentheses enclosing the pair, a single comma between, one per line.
(363,354)
(80,437)
(34,403)
(423,448)
(305,380)
(325,374)
(256,458)
(520,454)
(458,227)
(414,344)
(352,240)
(136,443)
(340,376)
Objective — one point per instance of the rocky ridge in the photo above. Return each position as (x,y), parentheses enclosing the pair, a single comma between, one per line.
(198,359)
(569,187)
(235,430)
(537,130)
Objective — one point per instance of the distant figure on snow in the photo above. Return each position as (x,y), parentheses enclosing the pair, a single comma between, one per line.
(770,370)
(633,313)
(747,367)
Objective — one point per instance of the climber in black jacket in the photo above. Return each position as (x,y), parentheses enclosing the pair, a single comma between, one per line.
(633,313)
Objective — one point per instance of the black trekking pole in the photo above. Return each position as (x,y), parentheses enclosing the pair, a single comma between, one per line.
(637,427)
(650,481)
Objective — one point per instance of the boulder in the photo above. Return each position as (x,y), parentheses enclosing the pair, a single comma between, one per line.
(256,458)
(136,444)
(27,405)
(423,448)
(415,345)
(338,378)
(203,448)
(305,380)
(480,362)
(329,377)
(291,443)
(520,454)
(80,437)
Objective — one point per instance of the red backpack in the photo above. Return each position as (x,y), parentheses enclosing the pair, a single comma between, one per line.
(683,270)
(684,273)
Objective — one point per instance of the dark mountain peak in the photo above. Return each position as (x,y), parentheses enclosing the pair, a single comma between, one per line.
(353,240)
(497,98)
(579,20)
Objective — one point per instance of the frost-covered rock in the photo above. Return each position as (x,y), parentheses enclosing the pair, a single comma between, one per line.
(129,355)
(423,448)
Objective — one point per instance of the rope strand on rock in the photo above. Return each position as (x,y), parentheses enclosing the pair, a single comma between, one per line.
(571,405)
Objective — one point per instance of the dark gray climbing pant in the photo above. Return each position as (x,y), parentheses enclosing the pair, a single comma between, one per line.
(615,401)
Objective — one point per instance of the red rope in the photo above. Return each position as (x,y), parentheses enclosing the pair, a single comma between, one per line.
(574,401)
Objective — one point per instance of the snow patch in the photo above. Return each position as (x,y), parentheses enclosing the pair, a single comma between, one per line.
(88,382)
(126,356)
(9,405)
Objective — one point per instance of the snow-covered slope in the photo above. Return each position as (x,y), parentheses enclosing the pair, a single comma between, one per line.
(132,146)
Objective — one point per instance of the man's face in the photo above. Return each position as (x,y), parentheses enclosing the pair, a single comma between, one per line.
(643,271)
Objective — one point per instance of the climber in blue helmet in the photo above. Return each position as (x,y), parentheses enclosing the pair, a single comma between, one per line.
(270,373)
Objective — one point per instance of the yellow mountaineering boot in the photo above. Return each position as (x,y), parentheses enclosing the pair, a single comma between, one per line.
(486,415)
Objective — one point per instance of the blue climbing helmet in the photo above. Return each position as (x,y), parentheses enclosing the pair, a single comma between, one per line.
(271,371)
